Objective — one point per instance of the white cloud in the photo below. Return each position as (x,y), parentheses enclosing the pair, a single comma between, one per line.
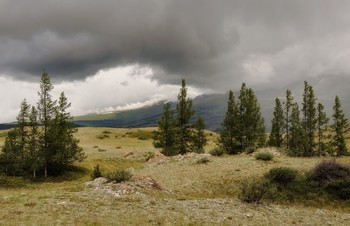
(105,91)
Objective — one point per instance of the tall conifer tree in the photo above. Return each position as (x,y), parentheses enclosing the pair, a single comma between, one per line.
(322,122)
(184,112)
(278,125)
(339,128)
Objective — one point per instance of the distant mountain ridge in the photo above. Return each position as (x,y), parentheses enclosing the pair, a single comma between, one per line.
(212,107)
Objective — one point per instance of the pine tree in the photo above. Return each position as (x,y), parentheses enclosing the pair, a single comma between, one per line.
(288,108)
(339,128)
(184,112)
(22,123)
(229,127)
(66,146)
(46,113)
(11,153)
(251,125)
(33,158)
(296,139)
(199,138)
(164,137)
(278,125)
(309,119)
(322,122)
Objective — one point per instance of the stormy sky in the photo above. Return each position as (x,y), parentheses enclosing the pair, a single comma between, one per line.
(109,55)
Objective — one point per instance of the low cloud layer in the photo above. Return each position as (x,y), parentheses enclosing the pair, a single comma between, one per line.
(214,44)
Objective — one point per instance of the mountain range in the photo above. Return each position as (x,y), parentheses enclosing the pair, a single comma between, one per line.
(212,107)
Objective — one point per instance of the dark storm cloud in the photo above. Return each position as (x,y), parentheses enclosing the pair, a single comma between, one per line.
(211,43)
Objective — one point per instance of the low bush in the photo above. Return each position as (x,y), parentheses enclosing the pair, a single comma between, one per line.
(339,188)
(264,156)
(217,151)
(203,160)
(102,150)
(119,176)
(102,136)
(96,173)
(330,170)
(250,150)
(255,190)
(281,175)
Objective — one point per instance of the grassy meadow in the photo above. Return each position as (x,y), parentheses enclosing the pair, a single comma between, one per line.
(188,193)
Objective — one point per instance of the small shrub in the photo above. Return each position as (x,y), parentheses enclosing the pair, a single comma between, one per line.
(339,188)
(106,132)
(148,156)
(119,176)
(95,147)
(102,136)
(96,173)
(102,150)
(118,147)
(250,149)
(265,156)
(217,152)
(282,175)
(203,160)
(255,190)
(326,171)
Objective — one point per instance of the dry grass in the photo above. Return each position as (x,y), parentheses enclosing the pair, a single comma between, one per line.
(193,194)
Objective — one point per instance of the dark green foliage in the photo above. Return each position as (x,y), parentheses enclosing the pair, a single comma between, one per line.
(339,189)
(119,176)
(141,135)
(322,122)
(184,113)
(282,175)
(176,134)
(203,160)
(255,190)
(164,137)
(199,139)
(251,127)
(217,151)
(339,128)
(309,120)
(296,135)
(276,135)
(229,127)
(50,147)
(96,173)
(265,156)
(250,150)
(243,125)
(288,110)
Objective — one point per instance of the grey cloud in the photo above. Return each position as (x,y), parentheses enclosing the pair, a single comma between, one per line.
(207,42)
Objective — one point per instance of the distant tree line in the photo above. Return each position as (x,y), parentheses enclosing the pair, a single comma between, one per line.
(307,132)
(43,142)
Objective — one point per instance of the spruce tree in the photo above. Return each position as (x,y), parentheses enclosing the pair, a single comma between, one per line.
(339,128)
(251,127)
(11,153)
(184,112)
(22,123)
(309,119)
(66,146)
(164,137)
(322,122)
(198,136)
(46,113)
(288,109)
(229,127)
(33,158)
(278,122)
(296,139)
